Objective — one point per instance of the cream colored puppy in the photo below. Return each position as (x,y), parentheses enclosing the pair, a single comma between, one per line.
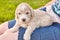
(31,19)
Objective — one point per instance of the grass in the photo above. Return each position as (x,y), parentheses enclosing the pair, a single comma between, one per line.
(7,7)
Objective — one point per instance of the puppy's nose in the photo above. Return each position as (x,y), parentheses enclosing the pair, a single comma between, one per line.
(23,20)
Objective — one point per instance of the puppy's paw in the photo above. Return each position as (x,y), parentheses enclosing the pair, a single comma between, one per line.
(12,30)
(7,31)
(26,37)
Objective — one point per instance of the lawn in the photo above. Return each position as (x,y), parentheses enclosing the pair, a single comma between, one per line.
(7,7)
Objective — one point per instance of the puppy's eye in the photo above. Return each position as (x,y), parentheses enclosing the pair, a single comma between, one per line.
(19,13)
(27,12)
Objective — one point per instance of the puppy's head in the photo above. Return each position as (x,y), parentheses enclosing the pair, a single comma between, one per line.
(24,13)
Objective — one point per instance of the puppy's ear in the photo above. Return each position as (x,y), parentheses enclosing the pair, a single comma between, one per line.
(16,16)
(32,14)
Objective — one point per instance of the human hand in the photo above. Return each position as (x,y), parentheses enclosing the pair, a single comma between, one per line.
(8,35)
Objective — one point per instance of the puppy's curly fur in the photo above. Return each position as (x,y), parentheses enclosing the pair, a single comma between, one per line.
(31,19)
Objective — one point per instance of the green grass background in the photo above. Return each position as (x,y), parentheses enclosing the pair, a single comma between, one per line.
(7,7)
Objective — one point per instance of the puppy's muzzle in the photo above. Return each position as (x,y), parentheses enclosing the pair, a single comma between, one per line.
(23,20)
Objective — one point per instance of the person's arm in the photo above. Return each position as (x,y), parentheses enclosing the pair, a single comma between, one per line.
(3,27)
(5,34)
(50,3)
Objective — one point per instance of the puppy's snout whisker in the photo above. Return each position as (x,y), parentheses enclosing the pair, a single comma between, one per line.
(23,20)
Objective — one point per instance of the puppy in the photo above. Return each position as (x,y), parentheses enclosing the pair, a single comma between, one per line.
(31,19)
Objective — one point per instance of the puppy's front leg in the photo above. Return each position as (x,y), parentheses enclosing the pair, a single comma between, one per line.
(28,32)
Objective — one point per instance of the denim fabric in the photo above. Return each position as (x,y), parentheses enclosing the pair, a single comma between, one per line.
(47,33)
(43,9)
(11,23)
